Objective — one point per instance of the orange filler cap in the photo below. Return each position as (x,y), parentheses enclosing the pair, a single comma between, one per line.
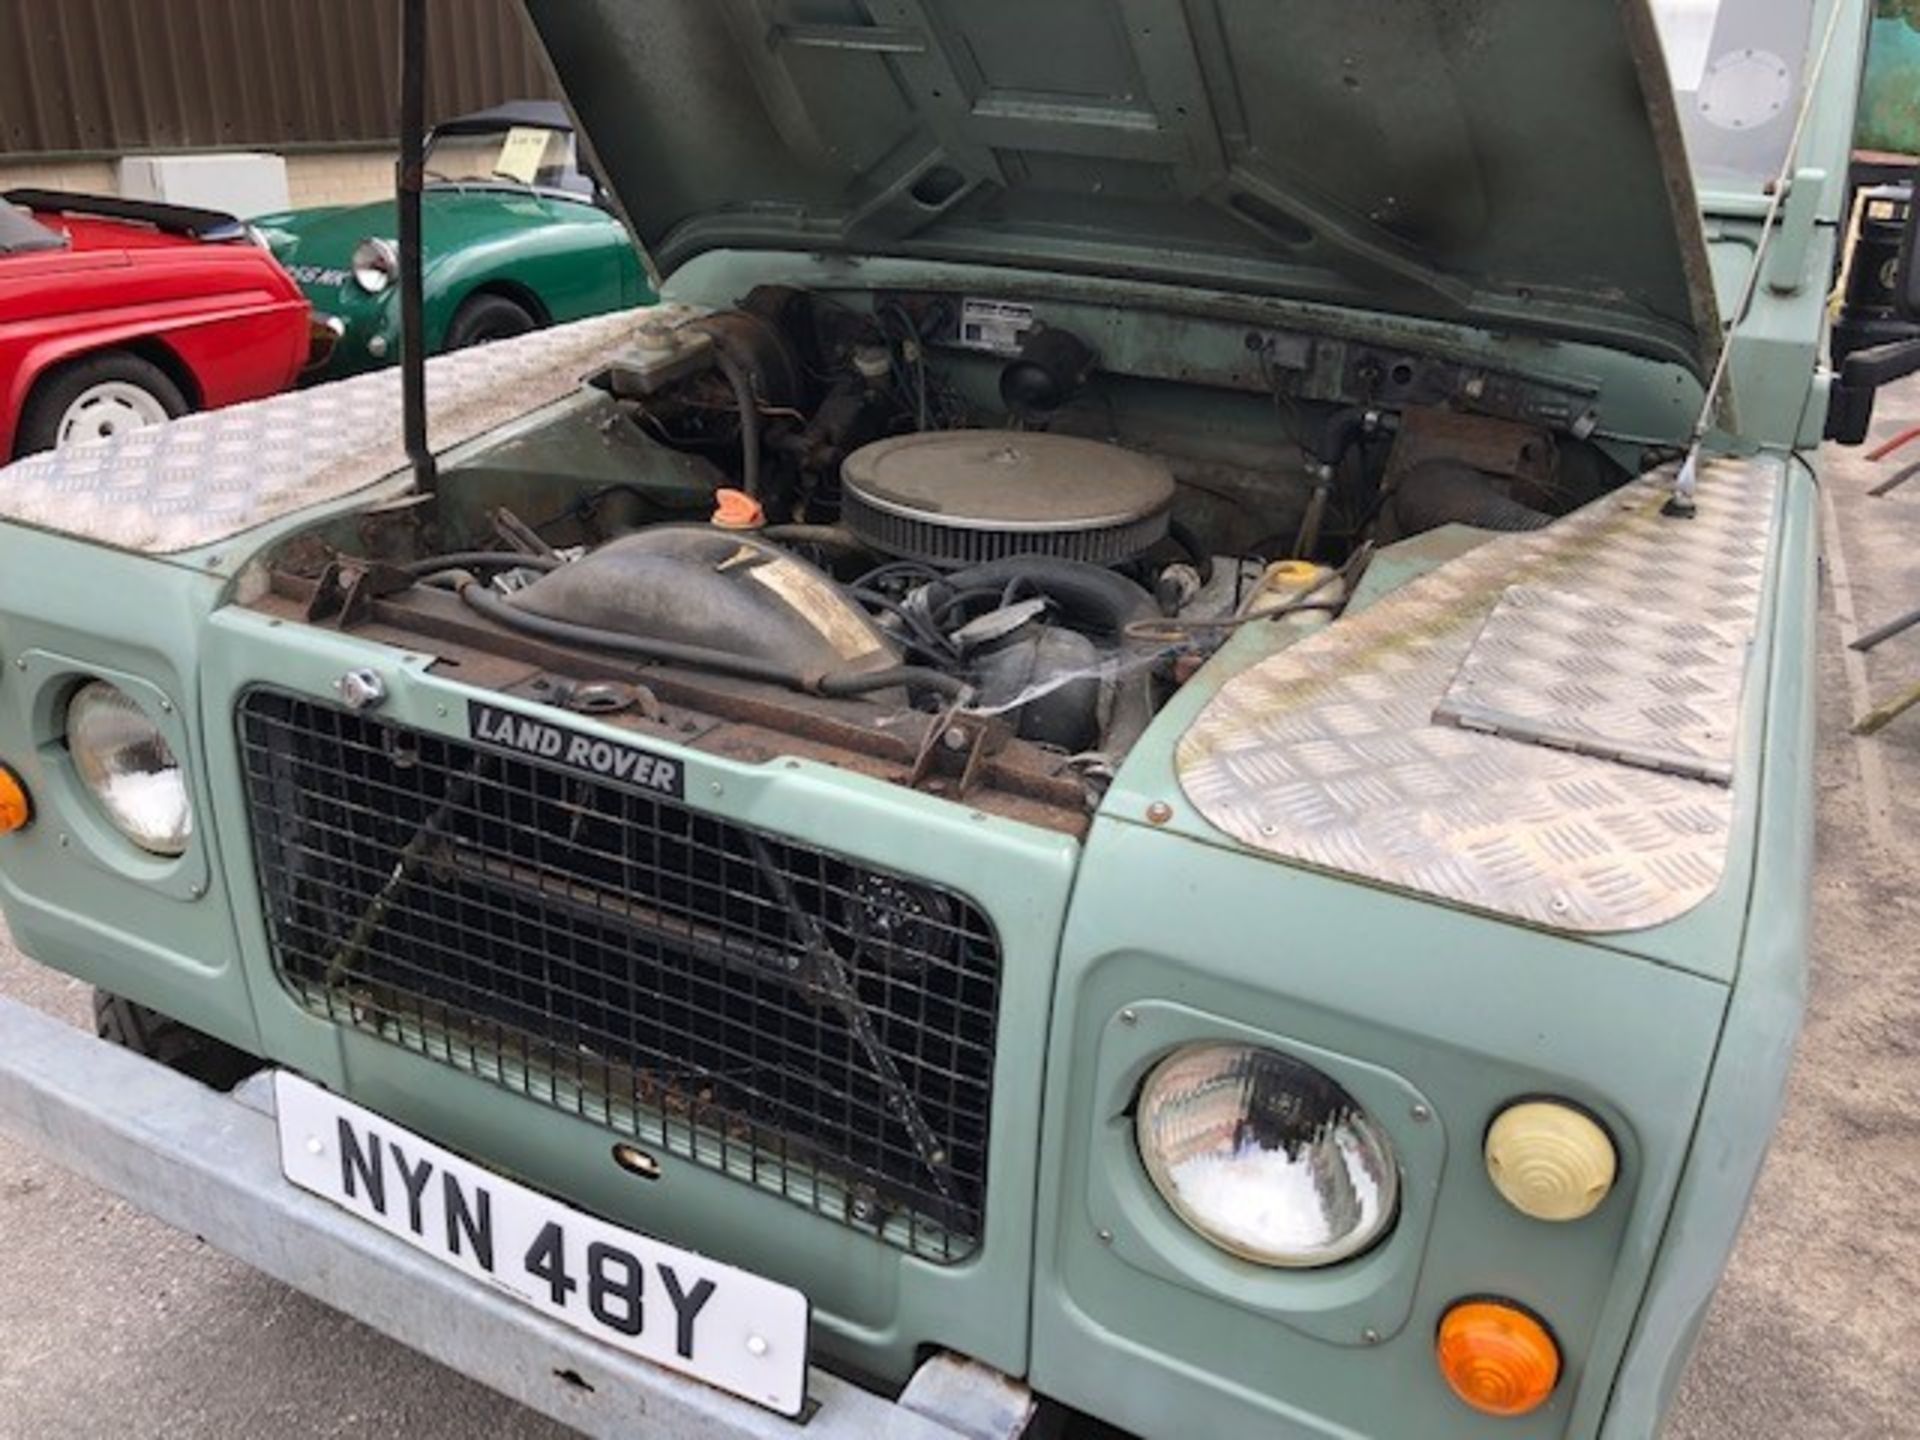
(737,510)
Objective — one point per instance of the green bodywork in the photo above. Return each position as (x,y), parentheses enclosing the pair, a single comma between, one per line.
(558,258)
(1450,174)
(1141,936)
(1448,1009)
(1890,95)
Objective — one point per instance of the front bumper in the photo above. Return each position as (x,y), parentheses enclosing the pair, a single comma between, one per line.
(323,338)
(208,1163)
(364,331)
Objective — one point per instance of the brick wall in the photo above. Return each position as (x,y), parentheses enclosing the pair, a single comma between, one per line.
(338,177)
(94,177)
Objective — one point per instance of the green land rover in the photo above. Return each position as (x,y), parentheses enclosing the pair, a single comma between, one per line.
(1141,765)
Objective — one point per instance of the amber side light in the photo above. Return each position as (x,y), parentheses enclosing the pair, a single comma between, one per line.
(1550,1160)
(16,808)
(1497,1358)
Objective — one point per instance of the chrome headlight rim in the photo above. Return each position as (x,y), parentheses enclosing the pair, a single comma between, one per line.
(1377,1222)
(375,264)
(154,814)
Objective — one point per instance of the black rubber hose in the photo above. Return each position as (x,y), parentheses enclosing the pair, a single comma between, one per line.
(957,600)
(1093,598)
(701,657)
(897,570)
(480,560)
(919,630)
(1092,595)
(846,683)
(664,506)
(1336,437)
(824,537)
(749,406)
(1202,558)
(910,633)
(1446,492)
(495,608)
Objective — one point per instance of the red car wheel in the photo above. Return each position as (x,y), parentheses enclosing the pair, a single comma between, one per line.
(100,396)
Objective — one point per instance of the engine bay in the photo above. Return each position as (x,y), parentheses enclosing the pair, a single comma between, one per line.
(944,541)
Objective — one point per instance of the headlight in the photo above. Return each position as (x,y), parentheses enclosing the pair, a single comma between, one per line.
(375,263)
(1266,1156)
(128,766)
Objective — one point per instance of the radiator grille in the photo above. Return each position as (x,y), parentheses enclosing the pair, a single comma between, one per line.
(808,1023)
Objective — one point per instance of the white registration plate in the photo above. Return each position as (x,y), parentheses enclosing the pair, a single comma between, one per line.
(731,1329)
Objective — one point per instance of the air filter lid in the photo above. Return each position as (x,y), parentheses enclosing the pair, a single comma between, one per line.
(964,497)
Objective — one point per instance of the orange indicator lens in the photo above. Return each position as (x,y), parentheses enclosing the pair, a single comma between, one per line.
(1497,1358)
(15,808)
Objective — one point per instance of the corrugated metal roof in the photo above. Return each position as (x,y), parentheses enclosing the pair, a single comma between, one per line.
(110,76)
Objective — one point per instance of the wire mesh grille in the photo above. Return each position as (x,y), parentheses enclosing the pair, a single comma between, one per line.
(808,1023)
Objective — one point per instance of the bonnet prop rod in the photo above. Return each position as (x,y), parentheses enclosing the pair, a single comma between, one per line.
(408,178)
(1681,502)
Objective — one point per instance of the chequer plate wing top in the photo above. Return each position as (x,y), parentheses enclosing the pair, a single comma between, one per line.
(1346,751)
(204,478)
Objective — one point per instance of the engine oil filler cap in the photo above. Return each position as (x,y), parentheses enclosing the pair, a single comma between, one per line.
(967,497)
(737,510)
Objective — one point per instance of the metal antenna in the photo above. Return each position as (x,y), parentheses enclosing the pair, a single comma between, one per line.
(1681,501)
(413,350)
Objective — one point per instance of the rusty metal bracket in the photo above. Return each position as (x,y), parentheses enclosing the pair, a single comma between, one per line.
(1499,447)
(328,592)
(346,590)
(398,529)
(518,535)
(957,747)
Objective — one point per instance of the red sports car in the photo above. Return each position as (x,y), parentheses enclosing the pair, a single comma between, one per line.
(120,313)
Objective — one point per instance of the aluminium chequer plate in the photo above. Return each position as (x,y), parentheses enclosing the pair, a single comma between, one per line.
(205,478)
(1469,737)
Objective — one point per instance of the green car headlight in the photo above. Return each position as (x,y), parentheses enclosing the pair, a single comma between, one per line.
(1266,1156)
(375,264)
(128,767)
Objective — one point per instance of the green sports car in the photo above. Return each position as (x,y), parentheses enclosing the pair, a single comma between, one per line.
(516,235)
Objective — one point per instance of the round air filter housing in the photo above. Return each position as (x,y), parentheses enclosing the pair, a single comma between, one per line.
(965,497)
